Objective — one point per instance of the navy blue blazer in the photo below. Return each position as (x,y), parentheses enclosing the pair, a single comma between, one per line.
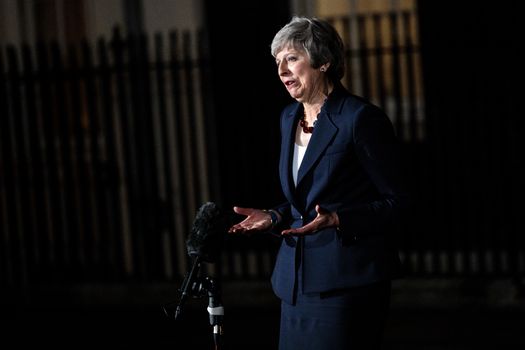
(352,166)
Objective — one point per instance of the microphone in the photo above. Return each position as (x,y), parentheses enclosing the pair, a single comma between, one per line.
(207,233)
(204,244)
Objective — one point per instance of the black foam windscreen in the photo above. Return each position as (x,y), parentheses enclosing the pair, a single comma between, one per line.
(207,233)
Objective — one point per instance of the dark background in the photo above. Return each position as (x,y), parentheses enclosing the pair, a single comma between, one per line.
(472,73)
(248,98)
(472,166)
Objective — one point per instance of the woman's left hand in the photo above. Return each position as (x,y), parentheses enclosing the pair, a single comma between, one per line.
(323,219)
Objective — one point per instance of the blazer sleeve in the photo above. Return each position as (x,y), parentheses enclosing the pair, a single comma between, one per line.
(379,154)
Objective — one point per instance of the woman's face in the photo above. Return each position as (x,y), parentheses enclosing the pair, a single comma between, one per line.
(295,71)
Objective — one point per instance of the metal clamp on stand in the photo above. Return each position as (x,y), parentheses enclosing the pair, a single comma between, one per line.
(198,287)
(215,310)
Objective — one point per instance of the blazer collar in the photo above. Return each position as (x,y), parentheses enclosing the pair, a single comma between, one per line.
(323,134)
(325,131)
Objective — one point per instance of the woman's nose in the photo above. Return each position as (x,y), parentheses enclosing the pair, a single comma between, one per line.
(282,68)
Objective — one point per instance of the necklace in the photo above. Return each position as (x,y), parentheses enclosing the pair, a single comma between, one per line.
(304,124)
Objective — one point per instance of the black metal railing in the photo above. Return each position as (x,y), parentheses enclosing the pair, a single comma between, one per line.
(104,160)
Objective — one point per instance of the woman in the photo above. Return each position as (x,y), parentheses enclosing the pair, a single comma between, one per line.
(340,173)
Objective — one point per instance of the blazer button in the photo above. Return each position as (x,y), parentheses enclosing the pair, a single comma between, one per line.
(301,217)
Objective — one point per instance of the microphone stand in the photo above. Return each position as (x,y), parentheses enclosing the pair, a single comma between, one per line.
(189,285)
(215,310)
(199,286)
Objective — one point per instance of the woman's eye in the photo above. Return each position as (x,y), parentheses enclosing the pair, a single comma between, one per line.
(291,58)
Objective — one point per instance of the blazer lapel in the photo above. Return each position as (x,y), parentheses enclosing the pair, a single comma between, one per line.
(323,134)
(287,147)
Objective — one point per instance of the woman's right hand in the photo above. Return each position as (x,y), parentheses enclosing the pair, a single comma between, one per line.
(256,220)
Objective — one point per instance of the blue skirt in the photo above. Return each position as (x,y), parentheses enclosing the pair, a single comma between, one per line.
(353,318)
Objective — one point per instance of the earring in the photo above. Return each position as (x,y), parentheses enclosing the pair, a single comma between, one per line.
(322,69)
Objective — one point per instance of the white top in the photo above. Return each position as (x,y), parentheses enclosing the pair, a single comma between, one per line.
(298,155)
